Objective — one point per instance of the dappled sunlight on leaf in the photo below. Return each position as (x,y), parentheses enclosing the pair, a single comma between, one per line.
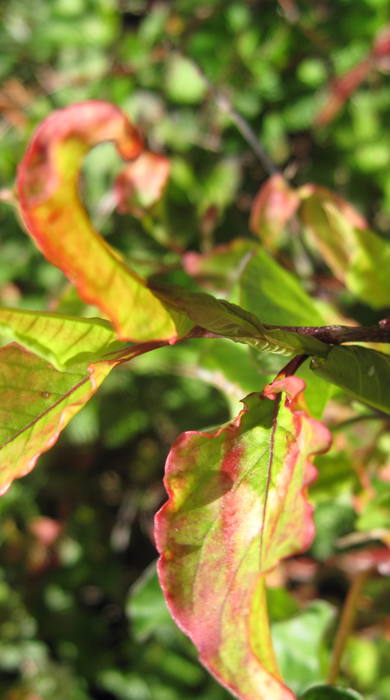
(237,506)
(53,214)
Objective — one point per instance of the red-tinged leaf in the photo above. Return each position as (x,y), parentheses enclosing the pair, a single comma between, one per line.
(323,195)
(141,183)
(220,269)
(54,216)
(273,207)
(237,506)
(341,89)
(334,239)
(381,47)
(37,401)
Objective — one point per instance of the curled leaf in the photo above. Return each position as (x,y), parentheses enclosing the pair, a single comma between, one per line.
(53,214)
(237,506)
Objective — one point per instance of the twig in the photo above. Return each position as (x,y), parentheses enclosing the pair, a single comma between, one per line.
(346,623)
(334,335)
(242,125)
(292,366)
(245,130)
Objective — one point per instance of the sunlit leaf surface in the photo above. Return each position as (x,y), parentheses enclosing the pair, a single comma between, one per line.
(52,211)
(62,340)
(357,256)
(362,372)
(223,318)
(237,505)
(37,402)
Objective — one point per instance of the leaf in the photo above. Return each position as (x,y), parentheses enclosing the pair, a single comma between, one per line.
(341,88)
(275,294)
(62,340)
(300,663)
(219,270)
(278,296)
(41,391)
(362,372)
(220,185)
(368,276)
(37,402)
(146,608)
(274,205)
(53,214)
(237,505)
(329,692)
(358,257)
(141,183)
(231,321)
(183,82)
(330,220)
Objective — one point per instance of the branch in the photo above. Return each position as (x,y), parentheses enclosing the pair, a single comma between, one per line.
(334,335)
(243,127)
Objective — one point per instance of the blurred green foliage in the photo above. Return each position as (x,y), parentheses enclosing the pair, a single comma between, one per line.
(79,616)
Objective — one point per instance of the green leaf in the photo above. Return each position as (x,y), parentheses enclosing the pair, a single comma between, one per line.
(270,291)
(38,397)
(220,270)
(231,321)
(298,642)
(375,512)
(237,506)
(53,214)
(368,275)
(329,692)
(37,402)
(183,82)
(357,256)
(146,608)
(362,372)
(62,340)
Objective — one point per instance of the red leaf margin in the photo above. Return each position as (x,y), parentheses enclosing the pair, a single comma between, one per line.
(53,214)
(201,616)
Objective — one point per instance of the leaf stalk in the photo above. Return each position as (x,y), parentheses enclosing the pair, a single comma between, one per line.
(347,620)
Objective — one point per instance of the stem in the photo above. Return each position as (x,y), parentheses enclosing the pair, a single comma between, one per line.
(334,335)
(245,130)
(242,125)
(346,623)
(292,366)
